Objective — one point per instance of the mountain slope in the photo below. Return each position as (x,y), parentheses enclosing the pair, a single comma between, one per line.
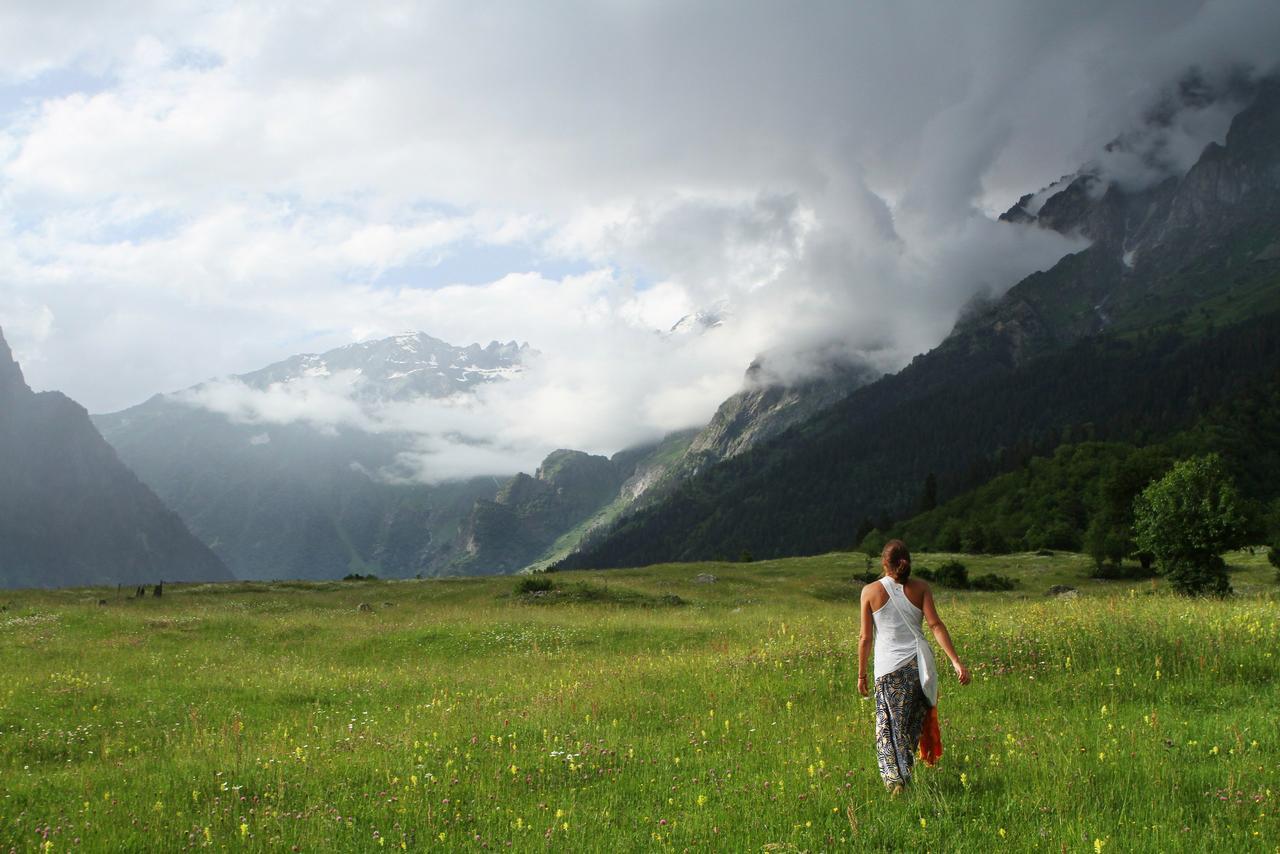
(70,512)
(304,500)
(1168,310)
(536,520)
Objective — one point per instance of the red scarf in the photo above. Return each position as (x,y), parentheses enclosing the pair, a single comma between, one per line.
(931,738)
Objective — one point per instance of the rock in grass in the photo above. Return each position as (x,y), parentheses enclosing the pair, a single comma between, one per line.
(705,578)
(364,607)
(1062,591)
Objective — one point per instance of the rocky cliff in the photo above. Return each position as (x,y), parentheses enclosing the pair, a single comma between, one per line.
(70,512)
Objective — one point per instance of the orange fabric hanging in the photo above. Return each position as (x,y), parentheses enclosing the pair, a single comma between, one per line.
(931,738)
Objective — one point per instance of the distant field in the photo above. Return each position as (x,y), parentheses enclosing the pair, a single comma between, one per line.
(643,710)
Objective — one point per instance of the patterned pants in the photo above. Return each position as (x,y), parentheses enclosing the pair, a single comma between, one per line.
(900,711)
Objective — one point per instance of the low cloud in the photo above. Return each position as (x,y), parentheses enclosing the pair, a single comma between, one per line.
(187,193)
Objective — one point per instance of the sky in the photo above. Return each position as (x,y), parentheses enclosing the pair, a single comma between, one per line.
(196,190)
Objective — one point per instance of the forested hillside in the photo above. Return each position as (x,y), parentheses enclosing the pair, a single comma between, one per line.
(1081,496)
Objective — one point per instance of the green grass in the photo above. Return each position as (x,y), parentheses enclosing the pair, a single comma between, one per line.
(457,714)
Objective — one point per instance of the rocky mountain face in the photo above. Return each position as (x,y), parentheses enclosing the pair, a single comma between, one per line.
(403,367)
(70,512)
(765,409)
(1113,340)
(533,521)
(530,512)
(304,500)
(1199,241)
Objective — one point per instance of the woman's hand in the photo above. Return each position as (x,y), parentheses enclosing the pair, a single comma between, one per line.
(862,685)
(962,672)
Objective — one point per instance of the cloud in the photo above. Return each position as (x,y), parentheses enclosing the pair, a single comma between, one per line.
(194,191)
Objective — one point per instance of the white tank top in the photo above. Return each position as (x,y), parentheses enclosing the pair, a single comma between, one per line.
(895,640)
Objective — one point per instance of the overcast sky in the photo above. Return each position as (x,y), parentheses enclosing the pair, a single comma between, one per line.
(194,191)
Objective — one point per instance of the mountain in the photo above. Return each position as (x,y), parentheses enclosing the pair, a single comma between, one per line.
(536,520)
(70,512)
(1174,306)
(403,367)
(574,498)
(313,500)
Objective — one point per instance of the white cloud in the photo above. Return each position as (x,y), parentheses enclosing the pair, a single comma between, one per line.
(189,191)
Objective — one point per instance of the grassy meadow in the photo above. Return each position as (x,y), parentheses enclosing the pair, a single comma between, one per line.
(633,710)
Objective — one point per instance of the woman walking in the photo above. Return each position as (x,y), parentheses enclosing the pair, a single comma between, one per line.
(906,678)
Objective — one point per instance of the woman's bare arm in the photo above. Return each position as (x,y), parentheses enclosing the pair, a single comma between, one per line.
(865,637)
(942,636)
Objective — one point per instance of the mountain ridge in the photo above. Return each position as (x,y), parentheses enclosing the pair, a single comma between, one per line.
(71,513)
(297,499)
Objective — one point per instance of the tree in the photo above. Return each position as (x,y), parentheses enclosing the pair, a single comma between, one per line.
(1105,542)
(929,496)
(1186,519)
(873,543)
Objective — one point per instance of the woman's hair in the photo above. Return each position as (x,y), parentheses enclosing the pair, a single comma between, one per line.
(896,560)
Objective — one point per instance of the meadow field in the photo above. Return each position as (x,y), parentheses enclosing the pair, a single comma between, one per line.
(633,710)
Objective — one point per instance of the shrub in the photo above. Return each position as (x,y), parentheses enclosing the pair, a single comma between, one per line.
(923,572)
(355,576)
(1186,519)
(534,584)
(1123,572)
(953,574)
(992,581)
(1273,556)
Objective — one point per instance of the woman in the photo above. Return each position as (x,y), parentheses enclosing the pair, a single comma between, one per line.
(906,682)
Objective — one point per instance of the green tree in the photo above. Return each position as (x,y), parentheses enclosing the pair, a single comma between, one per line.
(1186,519)
(873,543)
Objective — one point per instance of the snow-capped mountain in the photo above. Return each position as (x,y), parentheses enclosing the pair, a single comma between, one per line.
(401,367)
(294,495)
(701,321)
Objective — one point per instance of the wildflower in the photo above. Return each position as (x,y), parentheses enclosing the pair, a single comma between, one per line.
(440,836)
(702,799)
(1002,834)
(1097,845)
(565,827)
(964,779)
(244,830)
(922,822)
(208,836)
